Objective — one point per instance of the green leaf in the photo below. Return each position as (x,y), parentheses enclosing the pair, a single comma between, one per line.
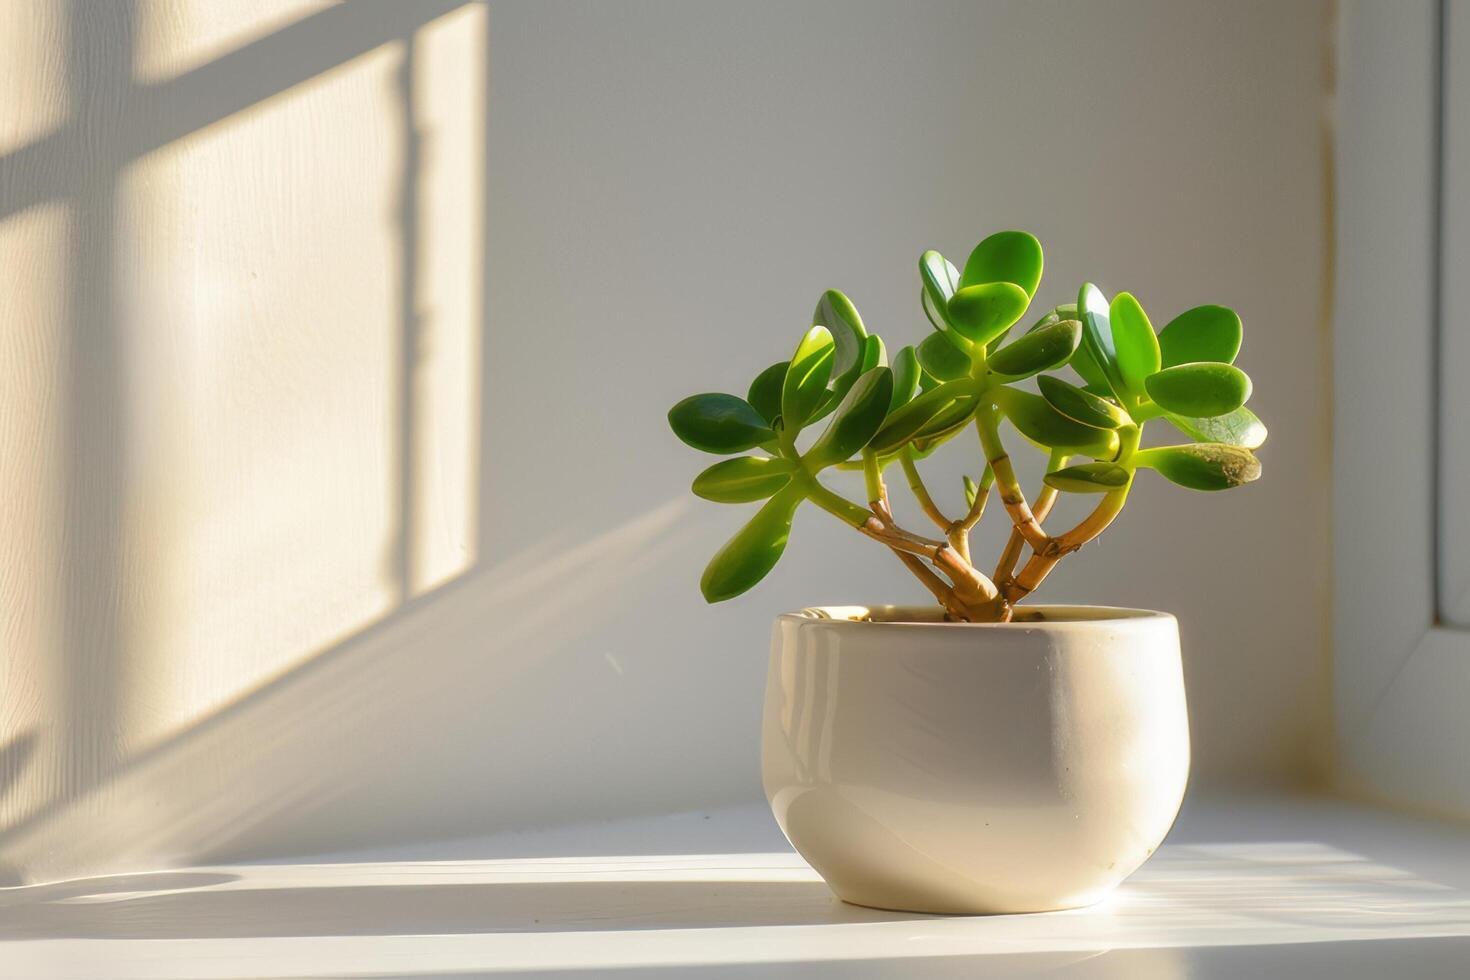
(856,420)
(904,423)
(1088,478)
(1237,428)
(939,356)
(936,318)
(836,312)
(753,551)
(1040,350)
(874,353)
(1097,338)
(806,379)
(1045,426)
(972,491)
(1133,336)
(941,279)
(1007,256)
(765,391)
(743,479)
(1087,369)
(1202,465)
(1205,333)
(718,423)
(1201,390)
(981,313)
(905,377)
(1079,405)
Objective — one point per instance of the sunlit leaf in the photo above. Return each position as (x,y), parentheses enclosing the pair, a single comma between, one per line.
(980,313)
(719,423)
(1205,333)
(1134,340)
(939,356)
(1097,338)
(905,377)
(1045,426)
(1237,428)
(743,479)
(1088,478)
(836,312)
(753,551)
(856,420)
(1199,390)
(1039,350)
(805,384)
(905,422)
(940,279)
(1202,465)
(1006,256)
(1079,405)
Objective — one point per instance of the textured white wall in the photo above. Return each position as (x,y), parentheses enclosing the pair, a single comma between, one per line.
(303,549)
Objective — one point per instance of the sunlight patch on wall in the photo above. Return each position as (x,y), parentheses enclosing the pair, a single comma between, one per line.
(302,399)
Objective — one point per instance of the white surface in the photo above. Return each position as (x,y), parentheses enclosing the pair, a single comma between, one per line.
(1401,729)
(238,299)
(1302,888)
(1454,363)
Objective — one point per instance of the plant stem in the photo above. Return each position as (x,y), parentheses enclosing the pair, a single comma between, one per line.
(987,424)
(921,492)
(1044,501)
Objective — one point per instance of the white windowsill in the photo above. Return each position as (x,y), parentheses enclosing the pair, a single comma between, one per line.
(1260,886)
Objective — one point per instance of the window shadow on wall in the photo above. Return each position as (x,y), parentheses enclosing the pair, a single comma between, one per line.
(157,740)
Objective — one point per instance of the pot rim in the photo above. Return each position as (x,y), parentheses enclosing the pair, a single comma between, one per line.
(929,617)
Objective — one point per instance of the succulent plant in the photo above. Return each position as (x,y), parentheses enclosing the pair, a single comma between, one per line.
(869,412)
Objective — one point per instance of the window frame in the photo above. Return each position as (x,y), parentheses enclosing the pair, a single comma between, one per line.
(1400,676)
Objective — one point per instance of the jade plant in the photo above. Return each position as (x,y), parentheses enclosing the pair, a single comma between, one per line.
(840,403)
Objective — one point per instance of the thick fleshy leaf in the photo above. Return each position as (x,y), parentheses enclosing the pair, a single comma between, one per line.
(1200,390)
(931,312)
(953,417)
(1205,333)
(1088,478)
(905,377)
(939,356)
(972,491)
(1134,340)
(743,479)
(1202,465)
(856,420)
(836,312)
(765,391)
(719,423)
(1079,405)
(753,551)
(1006,256)
(1087,369)
(875,354)
(904,423)
(805,384)
(941,279)
(1097,338)
(1045,426)
(1039,350)
(981,313)
(1238,428)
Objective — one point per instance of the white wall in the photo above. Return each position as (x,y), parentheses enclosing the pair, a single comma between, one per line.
(306,550)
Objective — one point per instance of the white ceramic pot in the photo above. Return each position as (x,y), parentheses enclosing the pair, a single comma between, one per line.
(975,768)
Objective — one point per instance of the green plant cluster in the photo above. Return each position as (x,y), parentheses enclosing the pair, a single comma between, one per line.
(869,410)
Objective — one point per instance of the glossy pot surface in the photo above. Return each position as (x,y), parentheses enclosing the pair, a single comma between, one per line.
(975,768)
